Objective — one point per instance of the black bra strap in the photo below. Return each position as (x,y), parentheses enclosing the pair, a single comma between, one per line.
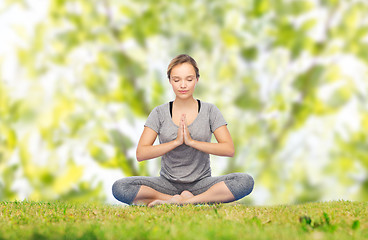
(171,106)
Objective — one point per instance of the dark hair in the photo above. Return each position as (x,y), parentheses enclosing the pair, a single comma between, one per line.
(182,58)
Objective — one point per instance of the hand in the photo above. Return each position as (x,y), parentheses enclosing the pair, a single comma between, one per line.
(180,138)
(187,138)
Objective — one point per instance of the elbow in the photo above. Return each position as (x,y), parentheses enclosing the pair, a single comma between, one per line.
(139,156)
(140,159)
(228,151)
(231,152)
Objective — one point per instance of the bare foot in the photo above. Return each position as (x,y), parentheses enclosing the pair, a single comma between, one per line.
(186,195)
(156,202)
(176,199)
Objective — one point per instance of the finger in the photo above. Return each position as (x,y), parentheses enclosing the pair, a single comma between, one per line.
(185,129)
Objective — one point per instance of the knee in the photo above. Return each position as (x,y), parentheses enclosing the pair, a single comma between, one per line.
(247,182)
(124,190)
(242,185)
(250,181)
(116,188)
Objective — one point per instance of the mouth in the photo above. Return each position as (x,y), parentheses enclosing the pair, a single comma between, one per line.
(183,91)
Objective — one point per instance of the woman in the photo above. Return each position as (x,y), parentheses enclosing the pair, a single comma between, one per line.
(184,127)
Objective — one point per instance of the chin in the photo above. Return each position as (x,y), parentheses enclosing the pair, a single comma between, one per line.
(181,96)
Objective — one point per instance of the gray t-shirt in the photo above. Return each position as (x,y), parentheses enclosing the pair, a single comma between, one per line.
(185,164)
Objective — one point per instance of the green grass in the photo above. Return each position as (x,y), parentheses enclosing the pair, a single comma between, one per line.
(65,220)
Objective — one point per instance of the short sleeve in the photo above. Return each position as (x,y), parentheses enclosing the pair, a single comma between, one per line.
(153,120)
(216,118)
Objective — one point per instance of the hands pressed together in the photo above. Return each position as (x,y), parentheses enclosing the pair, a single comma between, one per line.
(183,132)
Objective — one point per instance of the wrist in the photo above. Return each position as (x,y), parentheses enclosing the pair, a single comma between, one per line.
(191,143)
(176,143)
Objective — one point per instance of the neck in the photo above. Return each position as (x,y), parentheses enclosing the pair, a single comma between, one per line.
(184,103)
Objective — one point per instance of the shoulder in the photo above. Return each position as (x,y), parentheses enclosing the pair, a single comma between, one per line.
(160,112)
(210,107)
(206,104)
(161,108)
(156,117)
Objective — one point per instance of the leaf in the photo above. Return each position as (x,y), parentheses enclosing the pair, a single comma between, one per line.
(330,3)
(327,218)
(248,102)
(261,7)
(299,7)
(250,53)
(157,93)
(66,180)
(309,81)
(248,98)
(97,153)
(355,225)
(229,38)
(340,97)
(9,136)
(120,141)
(305,220)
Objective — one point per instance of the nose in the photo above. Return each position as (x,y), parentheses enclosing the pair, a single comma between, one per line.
(182,84)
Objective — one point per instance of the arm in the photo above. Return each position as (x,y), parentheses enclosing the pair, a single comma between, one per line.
(223,147)
(146,150)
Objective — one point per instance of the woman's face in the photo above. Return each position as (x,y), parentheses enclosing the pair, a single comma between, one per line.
(183,80)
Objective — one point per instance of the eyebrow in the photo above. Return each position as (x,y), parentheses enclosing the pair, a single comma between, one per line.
(184,77)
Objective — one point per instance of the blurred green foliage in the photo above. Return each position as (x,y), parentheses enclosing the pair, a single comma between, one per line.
(284,73)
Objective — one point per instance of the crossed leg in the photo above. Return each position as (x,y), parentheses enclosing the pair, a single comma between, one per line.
(142,190)
(147,195)
(218,193)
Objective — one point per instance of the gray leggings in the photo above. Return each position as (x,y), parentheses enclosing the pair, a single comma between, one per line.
(126,189)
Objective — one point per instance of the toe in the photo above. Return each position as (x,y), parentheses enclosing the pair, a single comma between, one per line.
(154,203)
